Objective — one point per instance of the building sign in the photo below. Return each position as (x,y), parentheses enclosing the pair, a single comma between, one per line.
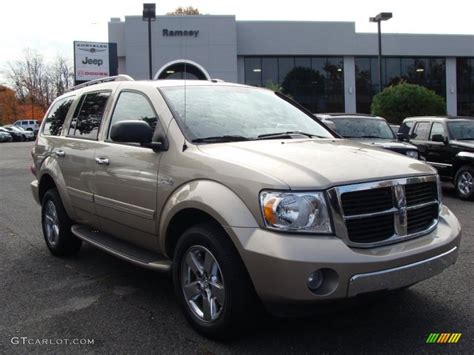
(94,60)
(180,33)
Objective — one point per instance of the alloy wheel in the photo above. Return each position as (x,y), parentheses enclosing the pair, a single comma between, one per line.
(465,183)
(51,223)
(202,283)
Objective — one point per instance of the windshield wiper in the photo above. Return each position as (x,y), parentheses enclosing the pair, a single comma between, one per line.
(220,139)
(369,136)
(287,134)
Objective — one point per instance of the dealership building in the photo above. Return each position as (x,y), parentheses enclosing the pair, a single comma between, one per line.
(326,66)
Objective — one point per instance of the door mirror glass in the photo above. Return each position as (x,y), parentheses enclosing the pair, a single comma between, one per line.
(134,131)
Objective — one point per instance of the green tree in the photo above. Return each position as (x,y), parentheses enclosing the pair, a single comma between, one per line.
(183,11)
(404,100)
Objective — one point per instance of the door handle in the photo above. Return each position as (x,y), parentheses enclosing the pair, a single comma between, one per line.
(102,161)
(59,153)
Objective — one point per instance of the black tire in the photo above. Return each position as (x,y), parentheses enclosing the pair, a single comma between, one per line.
(63,243)
(241,306)
(23,138)
(462,190)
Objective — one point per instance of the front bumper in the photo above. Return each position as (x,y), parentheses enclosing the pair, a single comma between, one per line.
(279,264)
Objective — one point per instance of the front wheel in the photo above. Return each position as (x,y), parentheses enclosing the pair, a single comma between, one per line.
(464,183)
(211,282)
(57,226)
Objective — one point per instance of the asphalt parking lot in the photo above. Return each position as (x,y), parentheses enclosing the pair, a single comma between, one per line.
(124,309)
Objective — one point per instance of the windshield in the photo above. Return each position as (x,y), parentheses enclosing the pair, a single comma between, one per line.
(461,130)
(217,111)
(361,127)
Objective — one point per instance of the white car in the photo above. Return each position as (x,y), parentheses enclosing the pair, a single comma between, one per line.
(28,125)
(5,137)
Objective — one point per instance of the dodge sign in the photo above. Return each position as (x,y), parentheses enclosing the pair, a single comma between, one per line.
(94,60)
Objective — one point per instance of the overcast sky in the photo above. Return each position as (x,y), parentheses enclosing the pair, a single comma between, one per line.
(50,26)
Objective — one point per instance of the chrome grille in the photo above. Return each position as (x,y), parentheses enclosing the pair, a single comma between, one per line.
(383,212)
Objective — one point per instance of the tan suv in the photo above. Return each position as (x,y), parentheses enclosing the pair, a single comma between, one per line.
(238,191)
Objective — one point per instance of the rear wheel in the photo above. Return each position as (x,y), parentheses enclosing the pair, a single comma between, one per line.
(57,226)
(211,283)
(464,182)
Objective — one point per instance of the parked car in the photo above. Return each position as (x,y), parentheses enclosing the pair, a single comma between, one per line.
(368,129)
(16,136)
(447,143)
(29,125)
(29,135)
(240,193)
(5,136)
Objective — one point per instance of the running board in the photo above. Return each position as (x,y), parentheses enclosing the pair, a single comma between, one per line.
(121,249)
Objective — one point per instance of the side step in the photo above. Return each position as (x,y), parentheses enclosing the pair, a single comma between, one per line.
(122,249)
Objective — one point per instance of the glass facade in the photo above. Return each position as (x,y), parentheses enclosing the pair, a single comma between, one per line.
(317,83)
(465,86)
(428,72)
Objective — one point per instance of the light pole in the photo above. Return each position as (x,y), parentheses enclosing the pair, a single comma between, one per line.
(149,14)
(383,16)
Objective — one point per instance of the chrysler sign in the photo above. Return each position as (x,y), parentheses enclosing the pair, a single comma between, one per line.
(94,60)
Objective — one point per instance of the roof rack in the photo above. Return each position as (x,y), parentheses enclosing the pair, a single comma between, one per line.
(121,77)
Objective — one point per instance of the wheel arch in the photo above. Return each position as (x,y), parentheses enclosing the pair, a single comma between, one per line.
(200,202)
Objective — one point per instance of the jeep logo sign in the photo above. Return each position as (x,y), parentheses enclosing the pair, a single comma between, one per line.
(180,33)
(92,60)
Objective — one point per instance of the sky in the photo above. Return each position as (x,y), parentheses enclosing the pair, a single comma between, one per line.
(51,26)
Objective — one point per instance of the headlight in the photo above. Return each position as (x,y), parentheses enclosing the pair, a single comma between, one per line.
(296,212)
(412,154)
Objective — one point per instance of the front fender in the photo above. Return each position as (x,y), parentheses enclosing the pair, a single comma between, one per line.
(210,197)
(466,156)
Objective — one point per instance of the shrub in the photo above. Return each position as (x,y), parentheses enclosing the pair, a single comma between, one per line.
(404,100)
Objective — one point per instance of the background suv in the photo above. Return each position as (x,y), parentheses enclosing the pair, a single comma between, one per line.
(447,143)
(368,129)
(28,125)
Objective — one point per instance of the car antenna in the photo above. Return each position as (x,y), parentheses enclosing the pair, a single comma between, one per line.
(185,77)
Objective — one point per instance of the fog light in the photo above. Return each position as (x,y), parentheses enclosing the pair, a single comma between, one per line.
(315,280)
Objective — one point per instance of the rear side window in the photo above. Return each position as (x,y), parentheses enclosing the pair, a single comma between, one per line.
(53,125)
(133,106)
(89,116)
(422,129)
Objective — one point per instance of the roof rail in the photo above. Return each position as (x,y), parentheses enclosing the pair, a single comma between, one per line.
(121,77)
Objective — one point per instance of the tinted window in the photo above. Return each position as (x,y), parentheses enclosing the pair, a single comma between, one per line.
(133,106)
(421,131)
(86,124)
(362,128)
(53,125)
(437,129)
(24,123)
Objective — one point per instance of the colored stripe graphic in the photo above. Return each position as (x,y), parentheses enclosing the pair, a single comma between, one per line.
(443,338)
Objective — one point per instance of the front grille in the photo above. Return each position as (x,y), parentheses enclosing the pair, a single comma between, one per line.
(371,229)
(421,193)
(384,212)
(367,201)
(421,218)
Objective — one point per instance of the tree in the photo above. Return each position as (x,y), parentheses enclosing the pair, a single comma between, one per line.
(36,82)
(183,11)
(404,100)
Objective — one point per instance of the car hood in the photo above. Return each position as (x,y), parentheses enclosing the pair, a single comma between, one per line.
(385,143)
(464,144)
(316,163)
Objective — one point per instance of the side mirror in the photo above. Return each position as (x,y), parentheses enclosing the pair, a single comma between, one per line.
(402,137)
(134,132)
(439,138)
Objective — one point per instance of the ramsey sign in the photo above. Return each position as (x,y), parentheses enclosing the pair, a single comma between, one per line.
(94,60)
